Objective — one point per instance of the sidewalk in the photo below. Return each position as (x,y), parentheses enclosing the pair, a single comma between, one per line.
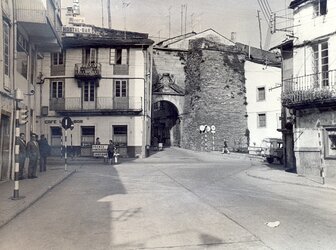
(31,189)
(272,172)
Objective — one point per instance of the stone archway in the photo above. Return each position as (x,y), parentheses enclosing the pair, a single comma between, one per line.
(166,123)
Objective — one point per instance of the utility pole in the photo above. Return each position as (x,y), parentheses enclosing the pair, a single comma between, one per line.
(102,7)
(169,22)
(109,14)
(182,6)
(258,15)
(185,19)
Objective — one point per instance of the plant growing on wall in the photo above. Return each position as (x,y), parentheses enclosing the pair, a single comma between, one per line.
(307,96)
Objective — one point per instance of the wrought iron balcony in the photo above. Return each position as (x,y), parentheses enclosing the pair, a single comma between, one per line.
(87,70)
(313,89)
(97,105)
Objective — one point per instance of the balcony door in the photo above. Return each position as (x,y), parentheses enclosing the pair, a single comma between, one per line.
(120,99)
(89,95)
(321,64)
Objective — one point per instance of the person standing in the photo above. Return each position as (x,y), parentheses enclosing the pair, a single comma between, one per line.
(33,153)
(22,154)
(225,148)
(97,141)
(44,153)
(110,151)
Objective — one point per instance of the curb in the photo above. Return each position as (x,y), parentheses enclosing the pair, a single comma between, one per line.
(38,197)
(288,182)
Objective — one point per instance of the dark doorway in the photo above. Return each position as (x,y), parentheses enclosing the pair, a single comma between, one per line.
(4,147)
(165,124)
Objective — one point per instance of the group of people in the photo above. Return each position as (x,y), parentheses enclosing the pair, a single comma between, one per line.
(35,150)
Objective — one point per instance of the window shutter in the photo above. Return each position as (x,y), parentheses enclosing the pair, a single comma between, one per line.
(124,56)
(93,55)
(112,56)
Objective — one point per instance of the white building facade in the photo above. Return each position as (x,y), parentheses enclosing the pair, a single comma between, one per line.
(103,82)
(27,30)
(263,96)
(310,95)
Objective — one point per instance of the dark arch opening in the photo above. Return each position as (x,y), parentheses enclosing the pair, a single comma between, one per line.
(165,124)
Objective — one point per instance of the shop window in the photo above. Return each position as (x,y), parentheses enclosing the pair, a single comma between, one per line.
(56,136)
(88,136)
(261,120)
(330,142)
(120,135)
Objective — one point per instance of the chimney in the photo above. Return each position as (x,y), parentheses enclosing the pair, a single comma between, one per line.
(233,36)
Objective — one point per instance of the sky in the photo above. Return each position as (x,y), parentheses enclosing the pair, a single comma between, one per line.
(152,17)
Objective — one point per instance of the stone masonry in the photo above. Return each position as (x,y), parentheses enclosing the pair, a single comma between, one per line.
(215,95)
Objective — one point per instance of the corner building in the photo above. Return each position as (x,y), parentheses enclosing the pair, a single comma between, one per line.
(102,81)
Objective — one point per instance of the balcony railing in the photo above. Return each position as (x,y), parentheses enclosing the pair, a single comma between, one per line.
(309,89)
(87,70)
(133,103)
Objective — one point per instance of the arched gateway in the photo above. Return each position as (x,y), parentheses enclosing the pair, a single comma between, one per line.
(168,101)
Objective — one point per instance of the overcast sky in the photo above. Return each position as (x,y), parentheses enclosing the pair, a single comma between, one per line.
(152,16)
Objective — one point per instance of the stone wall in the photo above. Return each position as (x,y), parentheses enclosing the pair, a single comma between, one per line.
(215,91)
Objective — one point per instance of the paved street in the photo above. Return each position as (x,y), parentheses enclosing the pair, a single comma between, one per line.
(175,199)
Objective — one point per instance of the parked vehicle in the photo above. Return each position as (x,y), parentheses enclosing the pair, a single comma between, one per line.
(272,148)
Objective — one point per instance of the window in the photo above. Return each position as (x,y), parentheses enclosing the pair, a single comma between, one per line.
(56,136)
(57,58)
(57,89)
(6,47)
(90,55)
(88,136)
(120,88)
(261,120)
(321,63)
(261,95)
(330,142)
(89,91)
(119,56)
(120,135)
(22,55)
(320,7)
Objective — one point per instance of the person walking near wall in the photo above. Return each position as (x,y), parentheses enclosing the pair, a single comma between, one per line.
(110,151)
(44,153)
(225,148)
(33,153)
(22,154)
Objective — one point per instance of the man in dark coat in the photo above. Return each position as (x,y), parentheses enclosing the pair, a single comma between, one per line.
(33,153)
(22,154)
(44,153)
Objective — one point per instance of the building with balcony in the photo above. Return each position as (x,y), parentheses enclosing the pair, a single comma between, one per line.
(309,89)
(28,29)
(102,81)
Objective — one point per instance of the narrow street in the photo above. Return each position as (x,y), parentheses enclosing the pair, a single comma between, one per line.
(175,199)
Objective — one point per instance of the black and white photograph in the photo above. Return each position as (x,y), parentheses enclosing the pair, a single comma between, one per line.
(167,125)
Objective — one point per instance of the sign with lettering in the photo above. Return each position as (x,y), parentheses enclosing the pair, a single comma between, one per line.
(99,150)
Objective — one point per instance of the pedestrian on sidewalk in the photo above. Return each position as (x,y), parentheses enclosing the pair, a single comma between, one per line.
(33,153)
(97,141)
(44,153)
(110,151)
(22,154)
(225,148)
